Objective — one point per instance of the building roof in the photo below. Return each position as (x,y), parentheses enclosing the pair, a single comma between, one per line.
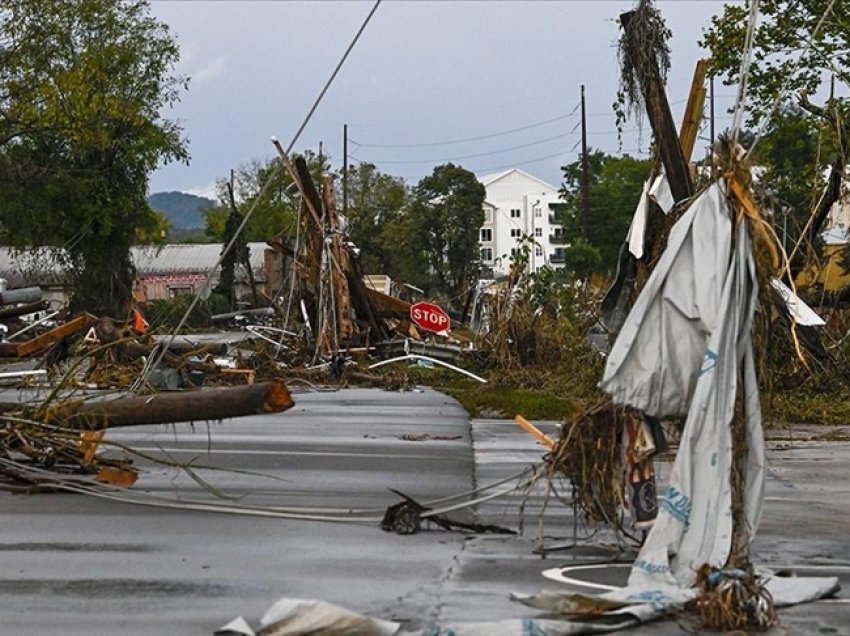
(178,258)
(38,267)
(490,179)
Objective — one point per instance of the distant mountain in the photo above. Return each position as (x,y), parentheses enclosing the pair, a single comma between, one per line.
(185,211)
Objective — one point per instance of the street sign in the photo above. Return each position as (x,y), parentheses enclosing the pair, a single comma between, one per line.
(429,317)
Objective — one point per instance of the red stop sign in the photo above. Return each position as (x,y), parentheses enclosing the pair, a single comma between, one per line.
(429,317)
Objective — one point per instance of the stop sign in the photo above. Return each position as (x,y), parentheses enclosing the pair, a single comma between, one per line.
(429,317)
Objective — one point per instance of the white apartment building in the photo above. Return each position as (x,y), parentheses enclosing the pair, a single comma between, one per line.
(517,205)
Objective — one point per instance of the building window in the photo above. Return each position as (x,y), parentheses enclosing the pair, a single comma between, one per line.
(514,252)
(487,254)
(516,232)
(486,235)
(538,212)
(538,232)
(180,290)
(515,213)
(538,251)
(488,216)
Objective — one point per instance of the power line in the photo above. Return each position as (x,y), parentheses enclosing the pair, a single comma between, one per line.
(473,156)
(467,139)
(486,154)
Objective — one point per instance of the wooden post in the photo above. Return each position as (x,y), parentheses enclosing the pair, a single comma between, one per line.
(661,120)
(693,110)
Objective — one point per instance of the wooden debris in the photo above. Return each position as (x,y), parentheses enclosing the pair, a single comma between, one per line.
(164,408)
(41,343)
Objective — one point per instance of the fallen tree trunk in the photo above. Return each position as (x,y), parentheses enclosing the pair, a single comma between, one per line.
(165,408)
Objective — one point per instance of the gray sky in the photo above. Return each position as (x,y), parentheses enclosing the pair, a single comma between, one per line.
(423,73)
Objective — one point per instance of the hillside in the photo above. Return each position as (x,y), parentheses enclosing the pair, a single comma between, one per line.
(185,211)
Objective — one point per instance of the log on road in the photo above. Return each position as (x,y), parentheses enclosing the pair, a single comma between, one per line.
(167,407)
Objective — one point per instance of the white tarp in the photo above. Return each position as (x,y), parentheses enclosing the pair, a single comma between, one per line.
(679,352)
(637,229)
(660,193)
(654,363)
(799,310)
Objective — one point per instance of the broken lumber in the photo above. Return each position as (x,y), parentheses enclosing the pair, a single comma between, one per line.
(46,340)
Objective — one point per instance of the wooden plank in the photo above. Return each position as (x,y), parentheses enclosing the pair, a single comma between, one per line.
(693,110)
(388,306)
(46,340)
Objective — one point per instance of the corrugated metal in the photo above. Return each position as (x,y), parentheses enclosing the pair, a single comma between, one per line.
(35,267)
(184,257)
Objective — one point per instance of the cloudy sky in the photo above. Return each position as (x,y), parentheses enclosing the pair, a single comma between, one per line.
(487,85)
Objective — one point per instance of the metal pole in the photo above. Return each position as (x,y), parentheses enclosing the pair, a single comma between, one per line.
(585,178)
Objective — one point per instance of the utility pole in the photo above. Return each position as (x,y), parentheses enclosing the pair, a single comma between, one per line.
(711,127)
(585,177)
(345,170)
(321,160)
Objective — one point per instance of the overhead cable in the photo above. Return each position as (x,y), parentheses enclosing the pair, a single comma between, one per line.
(155,361)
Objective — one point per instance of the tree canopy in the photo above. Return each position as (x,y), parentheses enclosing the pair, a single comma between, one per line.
(82,84)
(275,212)
(375,205)
(441,227)
(615,186)
(784,31)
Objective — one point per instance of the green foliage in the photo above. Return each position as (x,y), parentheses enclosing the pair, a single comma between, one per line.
(375,205)
(615,186)
(794,160)
(642,52)
(82,84)
(784,30)
(582,259)
(444,217)
(273,213)
(165,315)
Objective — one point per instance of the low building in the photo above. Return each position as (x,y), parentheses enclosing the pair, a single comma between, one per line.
(167,271)
(518,207)
(162,272)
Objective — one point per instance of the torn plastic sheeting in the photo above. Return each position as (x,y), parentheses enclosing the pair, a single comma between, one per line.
(785,590)
(300,617)
(660,193)
(637,229)
(654,362)
(799,310)
(679,352)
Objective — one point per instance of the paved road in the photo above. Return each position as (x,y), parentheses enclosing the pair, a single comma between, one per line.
(71,564)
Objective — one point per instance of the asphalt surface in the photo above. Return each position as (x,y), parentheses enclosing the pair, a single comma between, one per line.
(72,564)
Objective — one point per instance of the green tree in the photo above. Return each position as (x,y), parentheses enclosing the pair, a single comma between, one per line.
(375,203)
(792,154)
(784,31)
(82,86)
(275,212)
(615,185)
(444,218)
(790,62)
